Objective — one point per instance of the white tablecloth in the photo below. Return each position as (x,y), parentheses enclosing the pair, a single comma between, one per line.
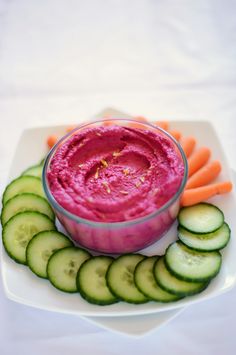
(63,61)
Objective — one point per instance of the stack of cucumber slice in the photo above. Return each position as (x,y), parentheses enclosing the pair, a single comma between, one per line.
(202,227)
(30,236)
(189,264)
(194,260)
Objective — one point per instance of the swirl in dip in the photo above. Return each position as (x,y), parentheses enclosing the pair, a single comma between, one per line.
(114,173)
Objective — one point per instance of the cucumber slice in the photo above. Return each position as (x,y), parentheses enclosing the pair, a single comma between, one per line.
(146,283)
(201,218)
(91,281)
(31,184)
(205,242)
(120,278)
(42,161)
(26,202)
(171,284)
(19,230)
(63,266)
(35,170)
(41,247)
(190,265)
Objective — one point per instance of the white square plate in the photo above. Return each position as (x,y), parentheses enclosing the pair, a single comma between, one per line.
(22,286)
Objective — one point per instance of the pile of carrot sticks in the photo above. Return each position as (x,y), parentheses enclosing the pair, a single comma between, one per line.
(201,171)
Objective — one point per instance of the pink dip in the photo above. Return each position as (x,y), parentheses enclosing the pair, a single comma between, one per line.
(113,174)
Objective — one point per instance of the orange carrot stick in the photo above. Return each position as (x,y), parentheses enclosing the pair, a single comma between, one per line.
(188,145)
(51,140)
(198,159)
(140,118)
(199,194)
(163,124)
(204,175)
(107,123)
(70,128)
(136,125)
(176,134)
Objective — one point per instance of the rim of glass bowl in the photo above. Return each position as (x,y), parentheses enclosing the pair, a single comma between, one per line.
(131,222)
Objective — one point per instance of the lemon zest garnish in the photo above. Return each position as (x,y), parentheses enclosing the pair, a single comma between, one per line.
(107,187)
(116,154)
(142,178)
(97,173)
(126,171)
(104,163)
(124,192)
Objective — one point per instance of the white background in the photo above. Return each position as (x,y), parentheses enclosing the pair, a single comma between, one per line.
(63,61)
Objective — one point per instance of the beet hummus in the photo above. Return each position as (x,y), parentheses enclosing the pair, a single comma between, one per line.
(114,173)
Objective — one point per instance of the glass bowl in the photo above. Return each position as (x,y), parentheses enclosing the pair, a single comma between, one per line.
(117,237)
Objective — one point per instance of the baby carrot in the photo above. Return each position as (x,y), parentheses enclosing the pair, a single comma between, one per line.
(70,128)
(140,118)
(136,125)
(204,175)
(51,140)
(175,134)
(199,194)
(163,124)
(188,145)
(107,123)
(198,159)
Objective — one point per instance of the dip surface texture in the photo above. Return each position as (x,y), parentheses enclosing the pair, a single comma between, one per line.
(114,174)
